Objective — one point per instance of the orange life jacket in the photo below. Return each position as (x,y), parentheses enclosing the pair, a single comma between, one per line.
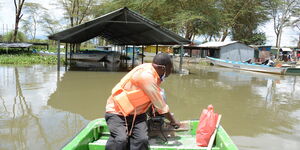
(126,101)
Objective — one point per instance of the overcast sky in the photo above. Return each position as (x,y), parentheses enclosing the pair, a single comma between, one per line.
(7,19)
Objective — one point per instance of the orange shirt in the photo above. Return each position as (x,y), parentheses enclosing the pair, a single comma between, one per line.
(148,80)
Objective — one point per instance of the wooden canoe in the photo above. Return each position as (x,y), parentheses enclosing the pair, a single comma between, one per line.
(247,66)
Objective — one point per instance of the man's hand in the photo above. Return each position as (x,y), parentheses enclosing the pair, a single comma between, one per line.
(173,122)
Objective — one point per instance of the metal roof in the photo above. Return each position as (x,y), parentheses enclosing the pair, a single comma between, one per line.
(16,45)
(216,44)
(121,27)
(287,49)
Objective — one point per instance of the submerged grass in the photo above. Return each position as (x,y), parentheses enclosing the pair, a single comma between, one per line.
(27,59)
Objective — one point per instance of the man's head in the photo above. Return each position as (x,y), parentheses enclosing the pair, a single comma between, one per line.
(163,64)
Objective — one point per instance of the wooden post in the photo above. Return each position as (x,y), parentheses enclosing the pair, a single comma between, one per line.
(142,54)
(181,55)
(156,48)
(58,55)
(66,56)
(126,54)
(133,49)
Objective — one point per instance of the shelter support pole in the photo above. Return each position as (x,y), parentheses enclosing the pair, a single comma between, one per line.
(181,55)
(142,54)
(58,54)
(190,52)
(66,57)
(133,49)
(156,48)
(126,55)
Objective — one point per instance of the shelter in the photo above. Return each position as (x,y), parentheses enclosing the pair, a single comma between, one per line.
(120,27)
(15,45)
(21,45)
(231,50)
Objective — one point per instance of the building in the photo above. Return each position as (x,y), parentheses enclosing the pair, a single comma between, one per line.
(159,48)
(262,52)
(231,50)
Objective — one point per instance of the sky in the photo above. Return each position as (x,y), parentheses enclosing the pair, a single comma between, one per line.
(7,19)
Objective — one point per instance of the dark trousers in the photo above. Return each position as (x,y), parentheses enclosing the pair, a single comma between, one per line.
(119,140)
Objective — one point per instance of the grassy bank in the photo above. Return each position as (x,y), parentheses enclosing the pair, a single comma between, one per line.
(27,59)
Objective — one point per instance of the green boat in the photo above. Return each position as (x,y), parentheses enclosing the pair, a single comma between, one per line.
(96,133)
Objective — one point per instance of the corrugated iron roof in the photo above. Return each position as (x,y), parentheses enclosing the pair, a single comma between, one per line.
(121,27)
(287,49)
(216,44)
(16,45)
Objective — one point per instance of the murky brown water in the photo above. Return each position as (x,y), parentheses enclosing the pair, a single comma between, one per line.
(40,109)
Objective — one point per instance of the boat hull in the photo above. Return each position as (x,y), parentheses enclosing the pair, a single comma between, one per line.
(246,66)
(90,57)
(96,133)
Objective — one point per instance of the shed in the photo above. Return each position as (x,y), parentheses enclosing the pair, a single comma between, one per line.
(231,50)
(121,27)
(262,52)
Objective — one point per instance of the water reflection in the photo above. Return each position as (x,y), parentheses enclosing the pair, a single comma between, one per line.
(253,105)
(84,93)
(78,65)
(42,109)
(26,121)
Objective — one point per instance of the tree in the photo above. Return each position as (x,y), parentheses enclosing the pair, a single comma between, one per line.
(186,17)
(241,18)
(9,37)
(50,25)
(76,11)
(246,24)
(18,11)
(33,13)
(281,14)
(296,23)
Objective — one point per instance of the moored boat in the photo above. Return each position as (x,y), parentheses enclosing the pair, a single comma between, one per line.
(254,67)
(90,56)
(94,137)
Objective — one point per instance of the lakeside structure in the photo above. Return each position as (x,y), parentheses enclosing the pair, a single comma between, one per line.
(121,27)
(231,50)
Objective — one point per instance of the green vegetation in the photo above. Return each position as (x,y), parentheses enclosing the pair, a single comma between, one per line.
(8,37)
(211,20)
(27,59)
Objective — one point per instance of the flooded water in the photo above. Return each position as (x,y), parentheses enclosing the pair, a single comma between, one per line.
(41,108)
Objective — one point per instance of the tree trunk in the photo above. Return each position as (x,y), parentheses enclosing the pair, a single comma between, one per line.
(16,29)
(224,35)
(18,10)
(298,42)
(277,39)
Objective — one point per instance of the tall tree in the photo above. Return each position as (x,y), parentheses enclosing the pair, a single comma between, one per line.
(281,13)
(50,25)
(241,18)
(296,23)
(33,13)
(186,17)
(76,11)
(18,12)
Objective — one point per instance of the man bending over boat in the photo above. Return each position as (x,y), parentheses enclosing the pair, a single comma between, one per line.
(131,98)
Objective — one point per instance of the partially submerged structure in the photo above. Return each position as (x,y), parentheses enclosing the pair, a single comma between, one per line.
(21,45)
(120,27)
